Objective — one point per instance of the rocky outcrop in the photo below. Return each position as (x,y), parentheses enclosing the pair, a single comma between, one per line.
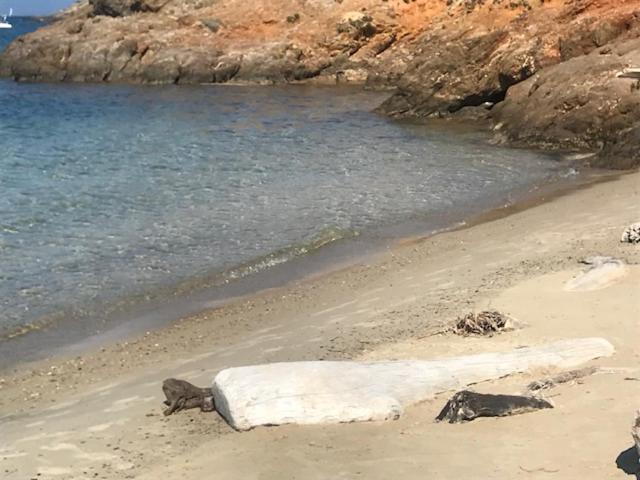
(546,77)
(579,105)
(201,41)
(542,72)
(120,8)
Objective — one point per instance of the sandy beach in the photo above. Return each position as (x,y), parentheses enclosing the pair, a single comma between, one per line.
(99,415)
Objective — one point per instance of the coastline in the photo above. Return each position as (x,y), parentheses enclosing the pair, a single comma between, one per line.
(83,399)
(74,336)
(512,65)
(392,306)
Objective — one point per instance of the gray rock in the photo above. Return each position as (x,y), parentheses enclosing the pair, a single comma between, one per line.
(121,8)
(333,392)
(631,234)
(570,106)
(212,24)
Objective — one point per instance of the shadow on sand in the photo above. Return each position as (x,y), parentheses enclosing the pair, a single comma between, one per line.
(629,462)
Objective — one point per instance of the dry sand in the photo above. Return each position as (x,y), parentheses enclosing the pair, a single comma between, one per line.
(99,415)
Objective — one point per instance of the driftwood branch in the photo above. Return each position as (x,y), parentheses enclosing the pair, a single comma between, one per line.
(564,377)
(631,234)
(466,406)
(182,395)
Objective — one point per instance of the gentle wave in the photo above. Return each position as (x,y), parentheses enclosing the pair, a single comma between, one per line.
(137,194)
(323,238)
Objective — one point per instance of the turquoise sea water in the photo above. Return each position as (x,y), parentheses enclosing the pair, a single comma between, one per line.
(114,195)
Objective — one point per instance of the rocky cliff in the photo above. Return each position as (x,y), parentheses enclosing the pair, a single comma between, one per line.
(209,41)
(545,76)
(544,73)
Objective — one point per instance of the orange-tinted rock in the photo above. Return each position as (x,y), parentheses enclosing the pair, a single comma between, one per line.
(548,65)
(251,41)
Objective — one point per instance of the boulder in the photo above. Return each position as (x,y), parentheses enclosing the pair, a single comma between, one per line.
(332,392)
(578,105)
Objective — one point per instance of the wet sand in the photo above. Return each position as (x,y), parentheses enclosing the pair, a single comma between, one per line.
(99,415)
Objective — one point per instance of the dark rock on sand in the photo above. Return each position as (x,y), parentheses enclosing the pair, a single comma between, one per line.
(451,73)
(465,406)
(631,234)
(182,395)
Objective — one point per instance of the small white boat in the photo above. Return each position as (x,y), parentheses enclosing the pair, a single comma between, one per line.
(4,23)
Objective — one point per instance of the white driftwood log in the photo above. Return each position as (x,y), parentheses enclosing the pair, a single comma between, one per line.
(333,392)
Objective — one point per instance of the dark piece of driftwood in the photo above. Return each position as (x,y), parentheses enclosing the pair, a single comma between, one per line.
(635,432)
(465,406)
(483,323)
(564,377)
(182,395)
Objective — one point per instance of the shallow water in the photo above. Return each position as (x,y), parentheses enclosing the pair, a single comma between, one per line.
(115,195)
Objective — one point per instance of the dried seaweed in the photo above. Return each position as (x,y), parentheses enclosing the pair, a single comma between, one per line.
(486,323)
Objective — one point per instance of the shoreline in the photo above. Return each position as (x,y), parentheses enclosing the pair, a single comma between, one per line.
(101,412)
(424,53)
(123,334)
(215,292)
